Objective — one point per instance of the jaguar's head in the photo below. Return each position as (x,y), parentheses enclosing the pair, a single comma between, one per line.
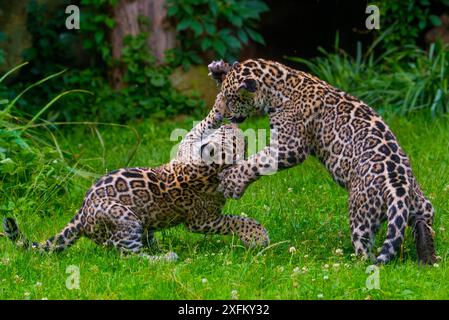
(239,87)
(224,147)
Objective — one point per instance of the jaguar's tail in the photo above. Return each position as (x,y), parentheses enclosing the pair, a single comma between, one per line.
(71,232)
(425,247)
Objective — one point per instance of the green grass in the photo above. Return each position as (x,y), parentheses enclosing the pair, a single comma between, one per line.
(301,207)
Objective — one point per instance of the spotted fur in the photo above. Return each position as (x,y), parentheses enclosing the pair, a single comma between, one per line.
(310,117)
(126,206)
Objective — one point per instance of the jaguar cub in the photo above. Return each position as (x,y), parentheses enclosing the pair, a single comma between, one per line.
(126,206)
(310,117)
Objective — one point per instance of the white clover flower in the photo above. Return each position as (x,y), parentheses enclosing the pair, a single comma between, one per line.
(326,266)
(339,252)
(243,214)
(26,294)
(306,256)
(296,270)
(326,277)
(336,265)
(204,281)
(292,250)
(38,284)
(44,298)
(436,265)
(320,296)
(290,189)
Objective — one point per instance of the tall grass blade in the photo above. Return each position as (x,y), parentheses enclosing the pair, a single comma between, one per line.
(12,71)
(12,103)
(48,105)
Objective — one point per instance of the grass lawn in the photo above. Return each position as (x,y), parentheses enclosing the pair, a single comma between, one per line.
(301,207)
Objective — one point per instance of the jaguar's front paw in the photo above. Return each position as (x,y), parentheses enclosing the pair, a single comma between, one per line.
(218,70)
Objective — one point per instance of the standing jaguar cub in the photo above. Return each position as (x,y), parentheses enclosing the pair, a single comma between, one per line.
(125,206)
(310,117)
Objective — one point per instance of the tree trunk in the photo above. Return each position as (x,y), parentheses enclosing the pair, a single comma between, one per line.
(161,33)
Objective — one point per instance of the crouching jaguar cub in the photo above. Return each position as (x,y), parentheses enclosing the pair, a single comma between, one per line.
(310,117)
(125,206)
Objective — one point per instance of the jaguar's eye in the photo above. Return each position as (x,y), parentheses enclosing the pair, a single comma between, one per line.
(207,151)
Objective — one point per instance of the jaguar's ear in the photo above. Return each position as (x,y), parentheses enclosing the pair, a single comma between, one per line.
(218,70)
(248,86)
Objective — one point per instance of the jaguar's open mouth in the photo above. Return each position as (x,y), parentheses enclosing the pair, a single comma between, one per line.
(237,119)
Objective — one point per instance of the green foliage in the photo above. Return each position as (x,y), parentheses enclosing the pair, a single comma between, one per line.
(402,81)
(147,90)
(2,52)
(408,19)
(96,25)
(149,87)
(222,26)
(32,166)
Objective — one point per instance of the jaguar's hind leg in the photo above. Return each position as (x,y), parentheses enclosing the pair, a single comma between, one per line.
(127,237)
(249,231)
(116,226)
(364,223)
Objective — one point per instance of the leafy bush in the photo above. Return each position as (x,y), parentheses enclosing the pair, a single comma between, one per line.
(407,19)
(402,81)
(212,25)
(203,25)
(148,90)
